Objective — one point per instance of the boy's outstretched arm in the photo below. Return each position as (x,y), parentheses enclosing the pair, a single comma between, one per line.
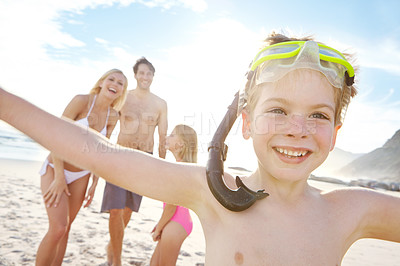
(382,220)
(173,183)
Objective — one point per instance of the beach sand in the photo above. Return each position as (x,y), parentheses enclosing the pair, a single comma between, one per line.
(23,223)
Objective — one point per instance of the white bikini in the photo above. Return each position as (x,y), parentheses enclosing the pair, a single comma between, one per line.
(69,175)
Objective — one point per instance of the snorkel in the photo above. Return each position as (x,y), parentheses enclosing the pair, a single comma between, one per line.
(234,200)
(269,65)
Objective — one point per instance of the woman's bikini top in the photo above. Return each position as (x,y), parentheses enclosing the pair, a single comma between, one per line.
(85,122)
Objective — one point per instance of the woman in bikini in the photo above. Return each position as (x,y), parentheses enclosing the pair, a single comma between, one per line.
(175,223)
(63,185)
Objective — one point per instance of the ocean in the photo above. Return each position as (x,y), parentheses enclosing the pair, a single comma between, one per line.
(16,145)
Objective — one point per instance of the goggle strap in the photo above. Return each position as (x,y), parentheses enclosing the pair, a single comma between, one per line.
(349,80)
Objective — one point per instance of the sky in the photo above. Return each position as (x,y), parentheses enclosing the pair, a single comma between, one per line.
(52,50)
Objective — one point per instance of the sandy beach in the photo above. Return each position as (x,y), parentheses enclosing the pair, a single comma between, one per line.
(23,223)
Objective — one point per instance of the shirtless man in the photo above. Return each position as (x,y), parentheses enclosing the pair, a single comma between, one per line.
(142,113)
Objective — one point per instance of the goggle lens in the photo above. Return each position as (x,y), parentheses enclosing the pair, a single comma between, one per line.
(329,52)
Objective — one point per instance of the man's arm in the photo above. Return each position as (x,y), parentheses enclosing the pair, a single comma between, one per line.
(162,130)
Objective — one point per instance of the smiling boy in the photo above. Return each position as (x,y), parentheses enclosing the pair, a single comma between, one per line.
(295,97)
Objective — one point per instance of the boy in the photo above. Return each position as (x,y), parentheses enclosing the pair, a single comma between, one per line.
(295,99)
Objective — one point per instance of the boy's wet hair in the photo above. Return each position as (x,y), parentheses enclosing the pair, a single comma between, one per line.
(342,97)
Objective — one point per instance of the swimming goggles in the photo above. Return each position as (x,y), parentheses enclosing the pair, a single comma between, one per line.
(275,61)
(306,54)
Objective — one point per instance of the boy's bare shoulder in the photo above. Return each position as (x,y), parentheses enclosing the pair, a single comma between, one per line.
(360,196)
(347,192)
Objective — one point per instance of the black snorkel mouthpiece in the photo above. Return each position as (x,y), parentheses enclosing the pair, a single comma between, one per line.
(233,200)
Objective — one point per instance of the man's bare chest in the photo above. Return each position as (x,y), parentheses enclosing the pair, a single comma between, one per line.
(137,112)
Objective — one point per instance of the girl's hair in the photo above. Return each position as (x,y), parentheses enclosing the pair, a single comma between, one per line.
(189,137)
(119,102)
(342,97)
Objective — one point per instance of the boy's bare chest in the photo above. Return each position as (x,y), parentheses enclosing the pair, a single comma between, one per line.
(281,240)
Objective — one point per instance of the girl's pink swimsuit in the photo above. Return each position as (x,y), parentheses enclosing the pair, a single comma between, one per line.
(182,216)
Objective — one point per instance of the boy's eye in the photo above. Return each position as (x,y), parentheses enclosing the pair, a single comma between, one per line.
(277,111)
(320,116)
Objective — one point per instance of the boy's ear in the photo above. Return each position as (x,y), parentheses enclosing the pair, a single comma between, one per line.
(246,129)
(336,129)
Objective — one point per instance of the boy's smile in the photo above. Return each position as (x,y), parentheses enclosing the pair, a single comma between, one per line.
(292,124)
(292,155)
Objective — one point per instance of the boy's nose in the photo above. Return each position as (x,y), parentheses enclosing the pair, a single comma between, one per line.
(298,126)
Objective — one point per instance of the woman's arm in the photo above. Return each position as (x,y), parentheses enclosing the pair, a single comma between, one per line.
(53,194)
(90,193)
(180,184)
(162,130)
(59,185)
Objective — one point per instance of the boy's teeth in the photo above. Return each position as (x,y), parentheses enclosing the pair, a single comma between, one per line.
(291,153)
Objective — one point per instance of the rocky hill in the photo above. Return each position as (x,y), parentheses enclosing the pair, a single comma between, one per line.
(337,159)
(381,164)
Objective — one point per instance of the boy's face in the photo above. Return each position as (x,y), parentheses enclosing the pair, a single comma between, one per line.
(292,124)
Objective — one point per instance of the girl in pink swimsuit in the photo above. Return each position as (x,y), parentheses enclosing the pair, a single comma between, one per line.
(99,111)
(175,223)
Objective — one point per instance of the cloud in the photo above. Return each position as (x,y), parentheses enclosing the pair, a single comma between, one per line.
(213,63)
(208,70)
(372,118)
(101,41)
(194,5)
(28,29)
(369,123)
(383,55)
